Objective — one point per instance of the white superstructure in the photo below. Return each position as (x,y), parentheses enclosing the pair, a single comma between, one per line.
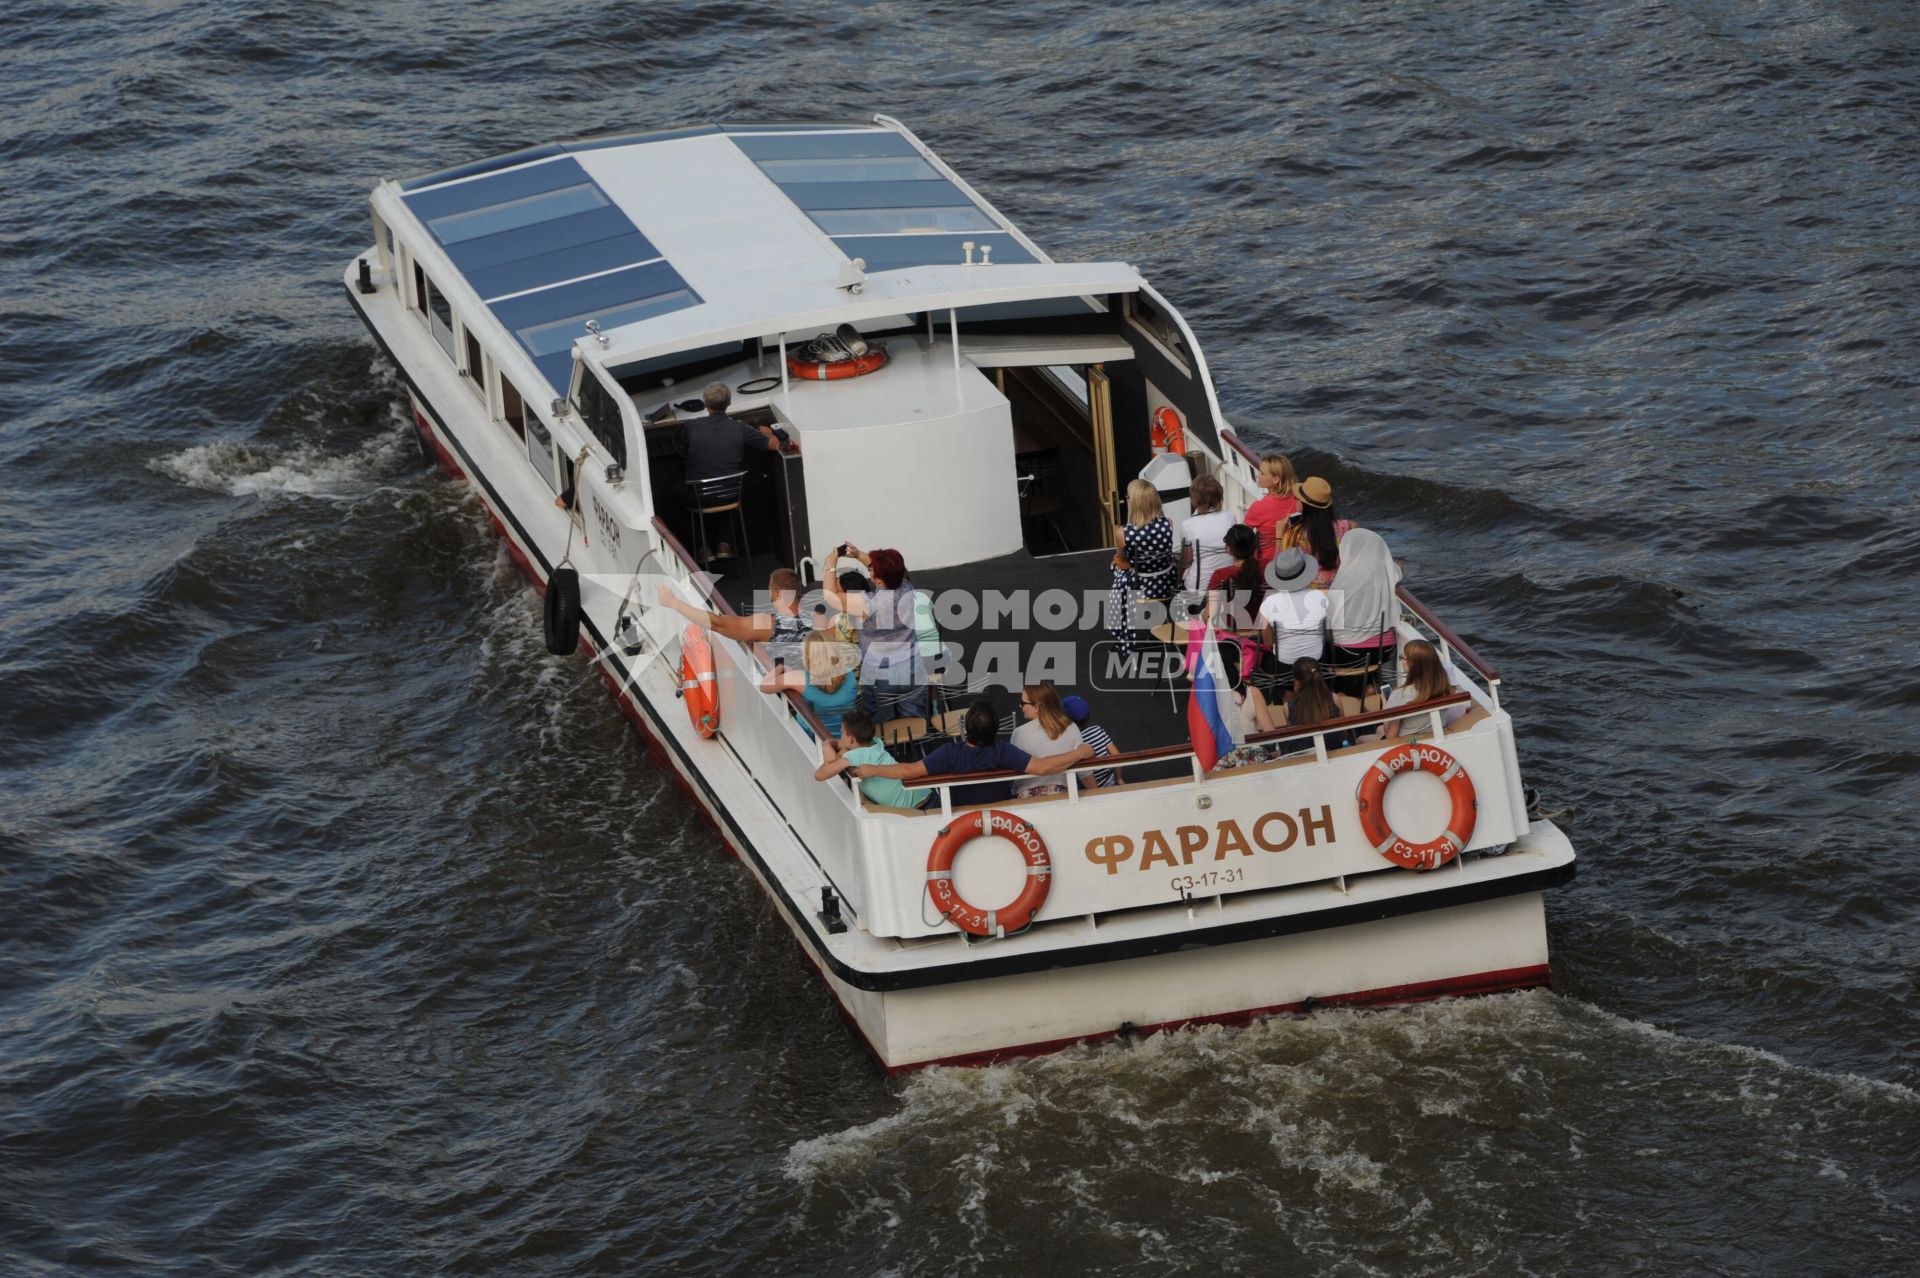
(542,307)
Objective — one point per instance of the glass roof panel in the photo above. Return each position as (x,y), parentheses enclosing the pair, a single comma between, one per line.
(452,228)
(891,252)
(819,146)
(495,188)
(546,237)
(875,195)
(866,168)
(883,221)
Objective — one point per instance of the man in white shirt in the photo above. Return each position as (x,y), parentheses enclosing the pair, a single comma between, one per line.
(1293,617)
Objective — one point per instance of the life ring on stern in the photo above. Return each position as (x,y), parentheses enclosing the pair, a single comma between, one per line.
(699,688)
(820,370)
(968,917)
(1169,431)
(1372,793)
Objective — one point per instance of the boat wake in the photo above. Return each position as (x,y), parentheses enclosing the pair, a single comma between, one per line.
(1316,1125)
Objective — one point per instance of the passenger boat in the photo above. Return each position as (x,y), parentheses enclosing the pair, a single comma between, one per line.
(551,312)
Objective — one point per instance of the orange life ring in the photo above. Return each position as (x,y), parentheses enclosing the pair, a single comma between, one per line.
(808,370)
(965,829)
(1169,432)
(1451,841)
(699,687)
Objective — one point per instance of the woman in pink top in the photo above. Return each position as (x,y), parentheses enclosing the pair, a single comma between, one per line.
(1269,512)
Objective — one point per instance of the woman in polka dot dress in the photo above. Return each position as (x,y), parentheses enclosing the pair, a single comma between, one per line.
(1144,566)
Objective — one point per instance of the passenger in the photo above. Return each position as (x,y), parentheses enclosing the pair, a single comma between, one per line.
(1423,678)
(1311,702)
(717,444)
(782,629)
(981,751)
(1317,528)
(1235,590)
(825,679)
(1277,504)
(1233,600)
(1143,565)
(855,747)
(1047,731)
(1255,716)
(841,628)
(1094,735)
(1293,619)
(1362,607)
(892,676)
(1203,535)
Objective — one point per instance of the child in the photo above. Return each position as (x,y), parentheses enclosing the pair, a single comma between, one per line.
(856,746)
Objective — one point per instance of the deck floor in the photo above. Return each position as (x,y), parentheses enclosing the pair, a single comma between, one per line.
(1041,616)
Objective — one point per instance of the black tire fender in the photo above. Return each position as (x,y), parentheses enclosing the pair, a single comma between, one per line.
(563,612)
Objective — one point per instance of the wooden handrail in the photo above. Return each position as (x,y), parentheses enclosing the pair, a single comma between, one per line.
(1161,754)
(714,597)
(719,604)
(1232,437)
(1445,631)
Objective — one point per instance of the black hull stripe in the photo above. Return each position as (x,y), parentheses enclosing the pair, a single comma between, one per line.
(1013,964)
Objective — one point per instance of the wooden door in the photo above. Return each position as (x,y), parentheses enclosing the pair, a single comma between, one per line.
(1100,411)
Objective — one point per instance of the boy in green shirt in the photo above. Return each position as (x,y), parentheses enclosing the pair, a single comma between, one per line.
(856,746)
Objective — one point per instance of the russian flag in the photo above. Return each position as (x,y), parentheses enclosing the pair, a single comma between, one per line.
(1213,720)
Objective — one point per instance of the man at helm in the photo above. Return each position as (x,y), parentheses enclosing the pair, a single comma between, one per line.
(717,444)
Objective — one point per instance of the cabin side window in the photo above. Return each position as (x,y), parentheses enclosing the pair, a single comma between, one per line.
(433,304)
(513,409)
(1159,326)
(602,416)
(476,365)
(540,451)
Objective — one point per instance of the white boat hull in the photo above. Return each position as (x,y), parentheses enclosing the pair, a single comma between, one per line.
(1392,939)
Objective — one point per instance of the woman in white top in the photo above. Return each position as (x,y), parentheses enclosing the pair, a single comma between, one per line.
(1423,677)
(1203,534)
(1047,731)
(1293,616)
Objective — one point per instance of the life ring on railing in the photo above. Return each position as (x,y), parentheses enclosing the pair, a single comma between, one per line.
(1372,792)
(1169,431)
(699,687)
(822,370)
(964,830)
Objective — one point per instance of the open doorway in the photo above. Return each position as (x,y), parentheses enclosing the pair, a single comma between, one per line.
(1063,453)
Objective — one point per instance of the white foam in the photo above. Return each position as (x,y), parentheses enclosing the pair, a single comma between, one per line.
(257,470)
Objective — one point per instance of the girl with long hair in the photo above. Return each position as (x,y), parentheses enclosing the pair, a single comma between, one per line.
(825,680)
(1312,702)
(1317,528)
(1423,678)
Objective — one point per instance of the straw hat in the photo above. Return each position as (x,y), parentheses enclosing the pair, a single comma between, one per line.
(1316,492)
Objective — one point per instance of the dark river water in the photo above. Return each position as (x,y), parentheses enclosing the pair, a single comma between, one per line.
(346,931)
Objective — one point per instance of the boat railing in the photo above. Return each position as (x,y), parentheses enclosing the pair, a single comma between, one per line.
(717,602)
(1242,490)
(1318,732)
(1451,645)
